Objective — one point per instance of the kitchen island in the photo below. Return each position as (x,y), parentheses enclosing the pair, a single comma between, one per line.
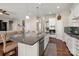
(29,45)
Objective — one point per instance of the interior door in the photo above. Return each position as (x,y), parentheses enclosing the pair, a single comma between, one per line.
(4,26)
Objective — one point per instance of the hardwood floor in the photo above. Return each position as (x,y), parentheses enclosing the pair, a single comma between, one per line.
(11,49)
(55,47)
(61,48)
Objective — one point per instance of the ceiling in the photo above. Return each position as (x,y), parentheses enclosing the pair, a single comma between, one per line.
(20,10)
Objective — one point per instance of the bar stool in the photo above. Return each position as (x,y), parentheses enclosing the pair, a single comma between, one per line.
(9,48)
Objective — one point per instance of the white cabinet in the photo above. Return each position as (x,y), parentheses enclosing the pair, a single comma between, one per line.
(28,50)
(75,11)
(72,44)
(65,37)
(77,47)
(46,40)
(74,14)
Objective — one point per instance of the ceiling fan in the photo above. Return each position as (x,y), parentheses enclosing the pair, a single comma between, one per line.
(3,12)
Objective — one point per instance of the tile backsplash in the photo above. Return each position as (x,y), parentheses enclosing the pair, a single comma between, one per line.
(73,30)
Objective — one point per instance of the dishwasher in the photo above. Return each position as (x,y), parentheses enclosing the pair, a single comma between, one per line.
(41,47)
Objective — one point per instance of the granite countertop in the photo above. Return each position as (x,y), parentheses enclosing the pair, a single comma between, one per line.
(68,31)
(30,38)
(73,35)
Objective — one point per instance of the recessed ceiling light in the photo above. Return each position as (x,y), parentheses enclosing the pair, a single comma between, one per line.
(50,12)
(58,7)
(39,3)
(43,18)
(29,13)
(27,17)
(1,13)
(37,20)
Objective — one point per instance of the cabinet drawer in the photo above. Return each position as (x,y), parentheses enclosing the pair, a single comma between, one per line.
(77,51)
(77,41)
(77,45)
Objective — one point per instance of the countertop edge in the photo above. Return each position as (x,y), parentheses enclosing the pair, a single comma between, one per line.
(31,43)
(72,36)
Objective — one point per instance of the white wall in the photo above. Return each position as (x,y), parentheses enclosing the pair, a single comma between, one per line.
(60,24)
(66,19)
(30,25)
(52,22)
(59,29)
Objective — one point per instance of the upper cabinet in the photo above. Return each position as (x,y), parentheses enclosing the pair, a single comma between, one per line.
(74,16)
(75,11)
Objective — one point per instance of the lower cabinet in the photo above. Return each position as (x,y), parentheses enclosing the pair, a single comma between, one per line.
(41,47)
(77,47)
(28,50)
(46,40)
(70,42)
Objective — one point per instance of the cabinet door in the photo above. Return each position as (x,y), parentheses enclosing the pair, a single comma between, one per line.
(74,14)
(67,40)
(73,49)
(70,44)
(76,11)
(77,47)
(65,37)
(41,47)
(46,39)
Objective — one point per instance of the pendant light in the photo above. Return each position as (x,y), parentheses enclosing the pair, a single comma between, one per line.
(59,17)
(37,17)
